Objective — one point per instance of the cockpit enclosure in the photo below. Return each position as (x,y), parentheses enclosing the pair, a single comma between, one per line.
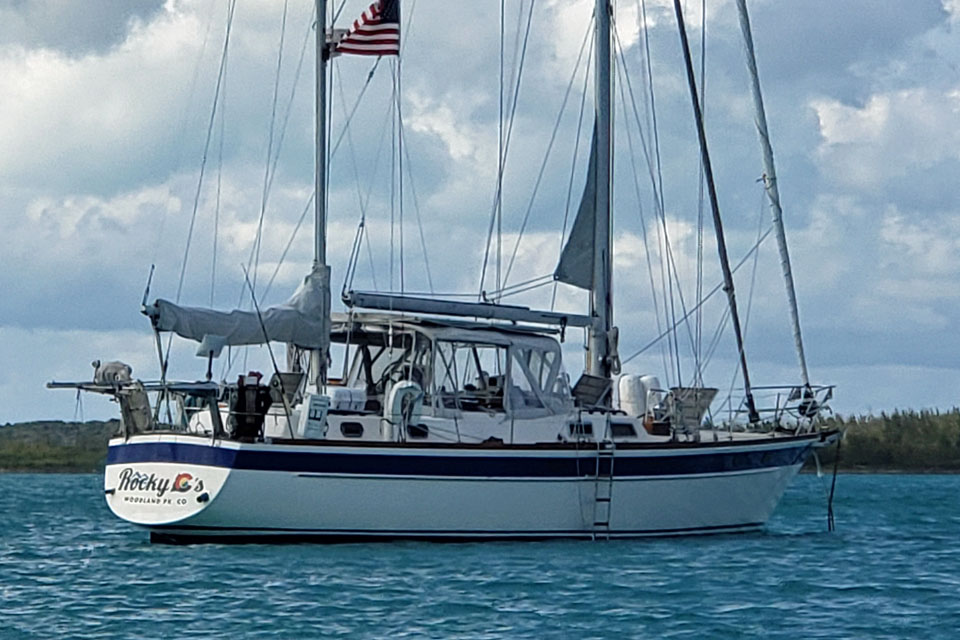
(460,369)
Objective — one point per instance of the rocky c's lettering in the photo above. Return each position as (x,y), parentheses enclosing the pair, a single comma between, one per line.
(131,480)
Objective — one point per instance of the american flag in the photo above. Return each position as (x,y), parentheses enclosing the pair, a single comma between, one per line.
(376,32)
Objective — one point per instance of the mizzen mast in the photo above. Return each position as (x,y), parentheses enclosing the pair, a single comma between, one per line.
(770,185)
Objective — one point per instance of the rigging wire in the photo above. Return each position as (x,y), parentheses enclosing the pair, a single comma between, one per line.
(698,378)
(362,236)
(290,100)
(184,117)
(351,266)
(275,159)
(658,182)
(272,165)
(354,254)
(700,303)
(254,258)
(399,143)
(393,173)
(513,90)
(206,148)
(286,249)
(546,158)
(537,285)
(665,248)
(258,241)
(653,165)
(365,203)
(336,13)
(511,289)
(216,211)
(353,110)
(753,280)
(221,73)
(409,27)
(416,208)
(643,231)
(498,204)
(506,145)
(576,149)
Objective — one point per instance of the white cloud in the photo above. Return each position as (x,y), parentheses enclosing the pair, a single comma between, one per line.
(923,246)
(953,8)
(102,141)
(448,118)
(891,135)
(93,114)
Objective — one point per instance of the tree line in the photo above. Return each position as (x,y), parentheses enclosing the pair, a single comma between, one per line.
(910,441)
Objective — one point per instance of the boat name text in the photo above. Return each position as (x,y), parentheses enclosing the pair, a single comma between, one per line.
(131,480)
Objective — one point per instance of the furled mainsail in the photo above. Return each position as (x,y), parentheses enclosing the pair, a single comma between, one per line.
(302,320)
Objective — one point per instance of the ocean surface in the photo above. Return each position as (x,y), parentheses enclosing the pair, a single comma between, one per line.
(69,569)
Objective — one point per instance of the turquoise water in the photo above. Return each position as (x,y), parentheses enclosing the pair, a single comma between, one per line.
(892,570)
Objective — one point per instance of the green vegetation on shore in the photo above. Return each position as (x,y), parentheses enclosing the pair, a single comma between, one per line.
(905,441)
(925,441)
(54,446)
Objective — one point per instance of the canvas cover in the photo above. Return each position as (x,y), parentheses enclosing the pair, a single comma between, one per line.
(303,320)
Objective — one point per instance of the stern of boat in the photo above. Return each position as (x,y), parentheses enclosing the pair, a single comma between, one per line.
(152,490)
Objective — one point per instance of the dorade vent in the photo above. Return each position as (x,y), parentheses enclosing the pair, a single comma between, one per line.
(351,429)
(418,431)
(581,429)
(623,430)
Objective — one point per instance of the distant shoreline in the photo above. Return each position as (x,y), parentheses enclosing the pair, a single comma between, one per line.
(55,446)
(900,443)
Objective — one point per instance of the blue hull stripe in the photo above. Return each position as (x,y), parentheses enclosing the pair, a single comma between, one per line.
(487,466)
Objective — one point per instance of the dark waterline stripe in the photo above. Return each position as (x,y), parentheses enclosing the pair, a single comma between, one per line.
(181,534)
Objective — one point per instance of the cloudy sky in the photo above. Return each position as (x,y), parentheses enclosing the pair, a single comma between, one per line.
(105,108)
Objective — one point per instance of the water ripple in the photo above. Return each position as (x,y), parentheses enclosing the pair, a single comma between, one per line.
(69,569)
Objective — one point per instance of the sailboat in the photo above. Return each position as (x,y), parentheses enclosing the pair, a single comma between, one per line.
(454,420)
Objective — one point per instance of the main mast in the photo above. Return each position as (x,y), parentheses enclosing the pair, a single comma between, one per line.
(318,357)
(599,351)
(320,182)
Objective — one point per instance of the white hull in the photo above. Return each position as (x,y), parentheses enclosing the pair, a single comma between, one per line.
(343,491)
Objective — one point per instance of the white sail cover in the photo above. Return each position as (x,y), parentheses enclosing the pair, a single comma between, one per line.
(576,261)
(303,320)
